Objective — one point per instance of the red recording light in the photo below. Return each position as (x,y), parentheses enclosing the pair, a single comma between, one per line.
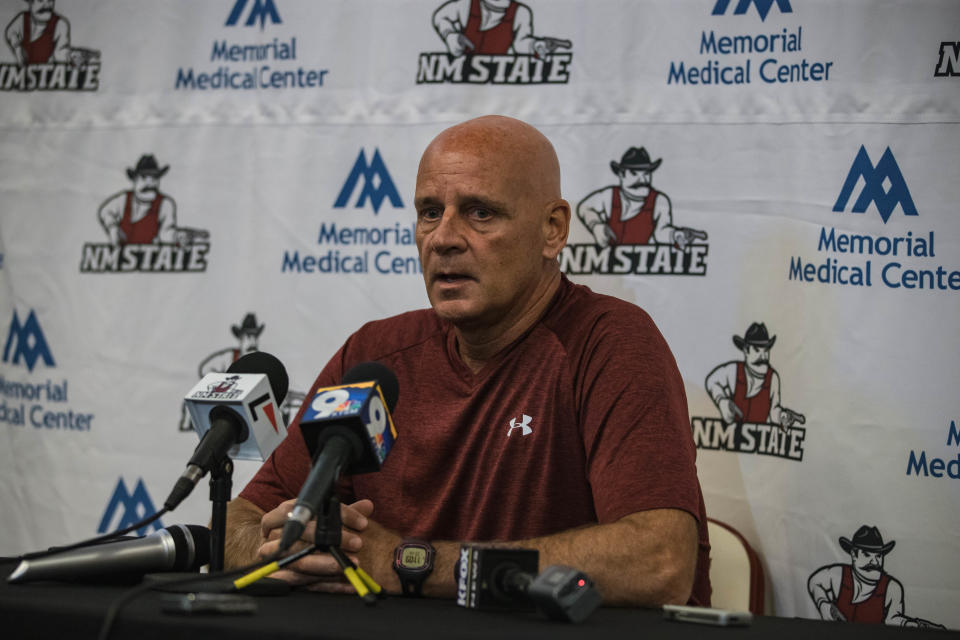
(581,582)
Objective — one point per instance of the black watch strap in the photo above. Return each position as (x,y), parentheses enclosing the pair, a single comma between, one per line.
(413,563)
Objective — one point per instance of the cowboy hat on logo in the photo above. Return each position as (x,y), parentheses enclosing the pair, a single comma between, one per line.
(868,539)
(756,335)
(248,326)
(147,166)
(637,159)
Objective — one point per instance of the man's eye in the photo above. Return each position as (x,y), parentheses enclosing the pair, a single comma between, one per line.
(481,213)
(430,214)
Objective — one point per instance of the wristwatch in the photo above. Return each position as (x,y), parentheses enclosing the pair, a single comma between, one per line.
(413,562)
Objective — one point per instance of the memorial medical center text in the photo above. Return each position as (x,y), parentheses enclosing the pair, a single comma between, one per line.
(283,74)
(347,255)
(23,403)
(744,70)
(895,262)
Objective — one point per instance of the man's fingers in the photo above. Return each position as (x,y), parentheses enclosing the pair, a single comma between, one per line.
(354,516)
(276,517)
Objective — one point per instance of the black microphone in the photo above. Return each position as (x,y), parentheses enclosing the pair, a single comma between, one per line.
(497,578)
(225,406)
(176,548)
(347,430)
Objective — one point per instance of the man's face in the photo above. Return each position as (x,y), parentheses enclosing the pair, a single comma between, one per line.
(635,181)
(758,357)
(40,9)
(480,235)
(869,564)
(145,187)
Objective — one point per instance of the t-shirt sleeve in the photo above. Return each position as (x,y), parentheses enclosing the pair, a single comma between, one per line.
(633,414)
(282,474)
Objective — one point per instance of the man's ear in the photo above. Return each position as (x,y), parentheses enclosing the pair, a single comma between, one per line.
(556,227)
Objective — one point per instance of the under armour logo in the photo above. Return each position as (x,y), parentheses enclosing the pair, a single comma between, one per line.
(524,424)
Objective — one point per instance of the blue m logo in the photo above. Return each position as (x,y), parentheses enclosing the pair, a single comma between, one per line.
(874,190)
(261,10)
(27,341)
(133,508)
(763,7)
(377,184)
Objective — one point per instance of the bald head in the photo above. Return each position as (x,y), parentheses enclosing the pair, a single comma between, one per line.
(510,146)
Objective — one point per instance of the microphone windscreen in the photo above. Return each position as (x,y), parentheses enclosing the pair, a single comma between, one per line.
(185,537)
(263,362)
(382,374)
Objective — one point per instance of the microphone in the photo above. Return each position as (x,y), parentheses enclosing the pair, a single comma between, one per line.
(347,430)
(492,578)
(176,548)
(225,408)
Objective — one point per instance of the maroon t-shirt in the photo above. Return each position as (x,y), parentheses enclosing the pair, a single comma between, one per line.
(582,420)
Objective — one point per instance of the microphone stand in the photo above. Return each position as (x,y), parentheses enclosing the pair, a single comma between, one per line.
(221,484)
(328,537)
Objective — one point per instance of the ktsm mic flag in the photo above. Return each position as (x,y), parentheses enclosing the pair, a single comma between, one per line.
(250,395)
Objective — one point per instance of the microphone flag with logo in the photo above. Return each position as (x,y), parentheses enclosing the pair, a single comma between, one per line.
(225,408)
(347,430)
(253,387)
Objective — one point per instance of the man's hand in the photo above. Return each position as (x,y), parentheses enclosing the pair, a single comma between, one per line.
(603,234)
(542,47)
(829,611)
(729,412)
(788,418)
(317,571)
(683,236)
(458,44)
(920,623)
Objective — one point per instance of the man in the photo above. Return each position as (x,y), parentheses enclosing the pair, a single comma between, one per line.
(490,27)
(633,212)
(142,215)
(603,478)
(861,591)
(39,35)
(748,390)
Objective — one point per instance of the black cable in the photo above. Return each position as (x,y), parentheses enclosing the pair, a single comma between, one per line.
(92,541)
(132,594)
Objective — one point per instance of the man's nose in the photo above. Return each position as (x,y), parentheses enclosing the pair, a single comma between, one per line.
(448,234)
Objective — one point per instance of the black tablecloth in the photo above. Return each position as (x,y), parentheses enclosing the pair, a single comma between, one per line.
(58,610)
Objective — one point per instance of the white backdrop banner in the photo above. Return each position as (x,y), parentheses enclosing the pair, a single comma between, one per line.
(805,149)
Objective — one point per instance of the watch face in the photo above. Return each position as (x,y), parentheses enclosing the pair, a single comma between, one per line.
(413,558)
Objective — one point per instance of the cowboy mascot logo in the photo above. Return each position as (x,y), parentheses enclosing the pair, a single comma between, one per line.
(39,39)
(632,226)
(247,334)
(141,226)
(747,394)
(862,591)
(492,41)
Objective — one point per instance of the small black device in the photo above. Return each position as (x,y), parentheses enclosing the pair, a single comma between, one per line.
(200,603)
(413,562)
(706,615)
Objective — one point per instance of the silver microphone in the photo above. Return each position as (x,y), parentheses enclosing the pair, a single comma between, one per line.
(176,548)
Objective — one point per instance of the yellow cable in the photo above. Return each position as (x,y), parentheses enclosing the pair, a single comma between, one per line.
(253,576)
(355,580)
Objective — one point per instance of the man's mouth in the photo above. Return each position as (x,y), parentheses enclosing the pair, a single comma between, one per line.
(451,278)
